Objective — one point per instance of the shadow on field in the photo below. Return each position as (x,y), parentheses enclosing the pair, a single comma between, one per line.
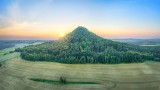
(62,81)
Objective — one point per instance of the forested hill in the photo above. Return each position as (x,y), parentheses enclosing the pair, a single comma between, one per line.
(80,34)
(83,46)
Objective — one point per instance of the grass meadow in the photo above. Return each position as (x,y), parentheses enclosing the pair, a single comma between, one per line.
(17,73)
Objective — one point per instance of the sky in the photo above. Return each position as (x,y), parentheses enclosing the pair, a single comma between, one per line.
(51,19)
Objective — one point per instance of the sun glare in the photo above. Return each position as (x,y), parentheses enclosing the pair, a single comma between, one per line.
(61,34)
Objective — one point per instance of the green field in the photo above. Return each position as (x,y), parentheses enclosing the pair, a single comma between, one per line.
(16,73)
(7,50)
(9,56)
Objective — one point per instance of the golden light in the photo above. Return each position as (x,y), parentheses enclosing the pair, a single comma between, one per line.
(61,34)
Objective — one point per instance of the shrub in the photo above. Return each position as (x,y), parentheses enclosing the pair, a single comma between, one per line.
(11,52)
(5,54)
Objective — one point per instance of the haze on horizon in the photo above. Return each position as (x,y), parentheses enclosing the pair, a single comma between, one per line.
(50,19)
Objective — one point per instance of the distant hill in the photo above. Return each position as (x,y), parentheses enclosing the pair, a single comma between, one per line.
(83,46)
(139,41)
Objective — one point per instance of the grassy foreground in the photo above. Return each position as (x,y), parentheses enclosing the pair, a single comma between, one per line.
(137,76)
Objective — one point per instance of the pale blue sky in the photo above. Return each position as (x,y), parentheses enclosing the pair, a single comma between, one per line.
(108,18)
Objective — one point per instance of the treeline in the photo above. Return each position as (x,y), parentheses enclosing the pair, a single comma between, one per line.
(88,52)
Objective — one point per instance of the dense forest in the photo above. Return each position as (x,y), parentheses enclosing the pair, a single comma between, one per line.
(83,46)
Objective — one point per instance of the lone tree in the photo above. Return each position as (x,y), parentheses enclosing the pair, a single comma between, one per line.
(63,80)
(0,64)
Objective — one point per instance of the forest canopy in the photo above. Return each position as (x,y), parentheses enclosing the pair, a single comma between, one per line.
(83,46)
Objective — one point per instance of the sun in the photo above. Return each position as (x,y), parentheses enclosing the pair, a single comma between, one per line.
(61,34)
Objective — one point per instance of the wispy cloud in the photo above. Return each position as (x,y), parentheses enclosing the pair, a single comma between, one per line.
(55,16)
(4,22)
